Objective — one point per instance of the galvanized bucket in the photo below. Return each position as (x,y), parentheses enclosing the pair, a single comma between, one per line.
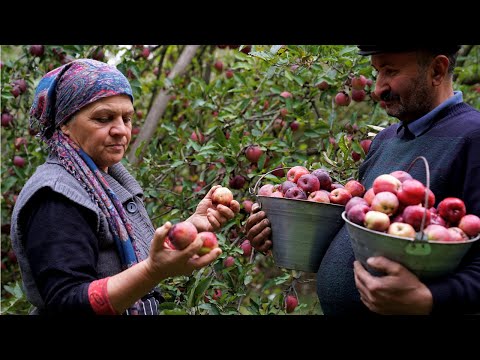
(302,230)
(425,259)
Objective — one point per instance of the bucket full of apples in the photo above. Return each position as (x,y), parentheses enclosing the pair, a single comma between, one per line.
(305,214)
(396,218)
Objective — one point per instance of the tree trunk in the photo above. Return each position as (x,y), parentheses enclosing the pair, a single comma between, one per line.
(160,103)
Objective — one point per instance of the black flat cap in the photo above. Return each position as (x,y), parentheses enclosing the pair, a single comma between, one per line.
(366,50)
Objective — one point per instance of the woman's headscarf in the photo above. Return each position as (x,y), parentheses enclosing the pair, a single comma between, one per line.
(67,89)
(59,95)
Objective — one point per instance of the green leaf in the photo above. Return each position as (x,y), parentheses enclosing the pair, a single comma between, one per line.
(274,49)
(211,308)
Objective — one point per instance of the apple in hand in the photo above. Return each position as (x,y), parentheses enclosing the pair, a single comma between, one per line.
(308,183)
(210,242)
(385,202)
(376,220)
(452,209)
(222,195)
(401,229)
(340,196)
(386,182)
(470,224)
(356,213)
(182,234)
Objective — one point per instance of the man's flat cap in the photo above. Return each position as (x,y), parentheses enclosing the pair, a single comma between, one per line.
(366,50)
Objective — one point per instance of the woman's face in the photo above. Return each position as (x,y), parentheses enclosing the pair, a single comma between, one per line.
(404,85)
(103,129)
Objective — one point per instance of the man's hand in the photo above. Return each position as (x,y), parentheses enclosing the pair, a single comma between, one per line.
(258,229)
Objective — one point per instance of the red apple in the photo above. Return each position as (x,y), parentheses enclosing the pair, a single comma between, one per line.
(376,220)
(266,190)
(452,209)
(359,83)
(286,94)
(324,178)
(401,175)
(287,185)
(386,182)
(253,153)
(369,195)
(247,205)
(246,247)
(222,195)
(237,182)
(18,161)
(19,142)
(291,302)
(319,196)
(210,242)
(7,119)
(36,50)
(355,188)
(279,172)
(365,144)
(200,138)
(295,193)
(342,99)
(385,202)
(437,233)
(436,219)
(182,234)
(229,73)
(356,213)
(218,65)
(413,215)
(411,192)
(336,186)
(340,196)
(358,95)
(217,294)
(401,229)
(229,261)
(457,234)
(470,224)
(308,183)
(354,201)
(431,199)
(295,172)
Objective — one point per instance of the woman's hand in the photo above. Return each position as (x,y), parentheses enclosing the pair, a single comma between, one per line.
(212,217)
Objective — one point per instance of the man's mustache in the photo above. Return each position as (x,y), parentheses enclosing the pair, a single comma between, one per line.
(389,96)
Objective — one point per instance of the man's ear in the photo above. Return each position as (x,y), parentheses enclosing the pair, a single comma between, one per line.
(65,129)
(439,69)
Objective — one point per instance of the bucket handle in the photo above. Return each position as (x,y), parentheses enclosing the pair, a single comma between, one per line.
(254,190)
(427,173)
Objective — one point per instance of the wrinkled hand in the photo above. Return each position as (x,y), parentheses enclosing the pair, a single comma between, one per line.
(399,292)
(210,217)
(165,262)
(258,229)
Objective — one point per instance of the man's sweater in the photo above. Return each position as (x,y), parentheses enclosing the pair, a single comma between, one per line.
(451,144)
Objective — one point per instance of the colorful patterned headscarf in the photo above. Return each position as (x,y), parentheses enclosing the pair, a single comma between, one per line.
(67,89)
(59,95)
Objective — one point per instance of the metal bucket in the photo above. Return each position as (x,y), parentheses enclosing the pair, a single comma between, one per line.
(425,259)
(301,230)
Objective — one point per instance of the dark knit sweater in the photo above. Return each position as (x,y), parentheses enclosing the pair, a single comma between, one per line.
(451,144)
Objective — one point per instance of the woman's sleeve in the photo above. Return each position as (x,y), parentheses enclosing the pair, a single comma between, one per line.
(62,250)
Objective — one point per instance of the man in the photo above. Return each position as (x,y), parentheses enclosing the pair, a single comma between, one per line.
(416,85)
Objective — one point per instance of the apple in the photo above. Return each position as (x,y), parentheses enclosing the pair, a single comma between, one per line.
(287,185)
(365,144)
(291,302)
(218,65)
(358,95)
(253,153)
(286,94)
(369,195)
(283,112)
(168,244)
(222,195)
(358,83)
(470,224)
(386,182)
(457,234)
(413,215)
(324,178)
(356,213)
(246,247)
(278,124)
(18,161)
(342,99)
(437,233)
(355,188)
(294,125)
(385,202)
(237,182)
(411,192)
(336,186)
(323,85)
(210,242)
(182,234)
(247,205)
(401,175)
(277,194)
(431,198)
(19,142)
(401,229)
(319,196)
(294,173)
(436,219)
(266,190)
(217,294)
(295,193)
(340,196)
(452,209)
(376,220)
(229,261)
(308,183)
(278,171)
(354,201)
(7,119)
(37,50)
(22,85)
(200,138)
(229,73)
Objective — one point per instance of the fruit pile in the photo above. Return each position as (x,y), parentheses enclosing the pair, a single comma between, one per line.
(395,204)
(301,184)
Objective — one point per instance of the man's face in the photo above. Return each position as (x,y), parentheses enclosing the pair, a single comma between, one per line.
(404,85)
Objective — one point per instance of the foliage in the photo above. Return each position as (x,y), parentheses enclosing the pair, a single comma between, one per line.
(230,108)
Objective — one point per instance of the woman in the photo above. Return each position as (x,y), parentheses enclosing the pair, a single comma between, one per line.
(80,230)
